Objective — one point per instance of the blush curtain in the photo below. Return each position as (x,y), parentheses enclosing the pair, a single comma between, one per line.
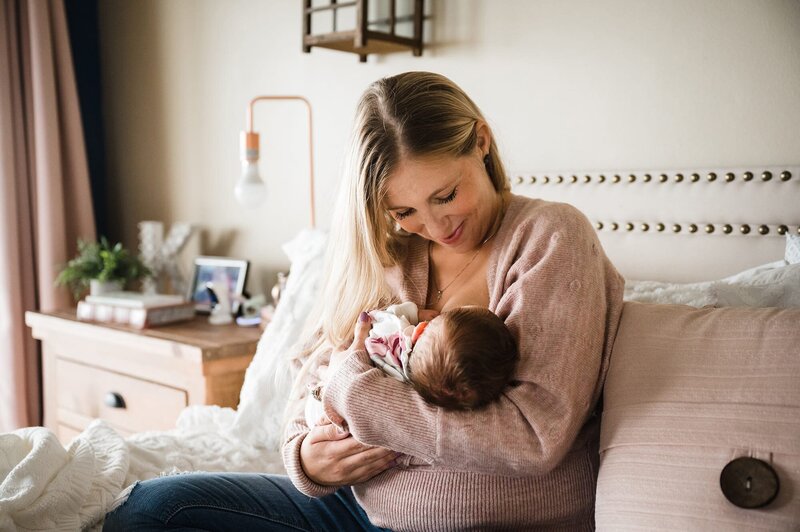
(45,198)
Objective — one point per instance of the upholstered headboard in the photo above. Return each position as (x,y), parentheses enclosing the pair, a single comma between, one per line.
(680,225)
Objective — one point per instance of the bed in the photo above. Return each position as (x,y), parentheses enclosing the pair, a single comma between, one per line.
(709,237)
(701,407)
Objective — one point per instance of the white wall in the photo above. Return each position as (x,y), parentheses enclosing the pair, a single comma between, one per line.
(565,84)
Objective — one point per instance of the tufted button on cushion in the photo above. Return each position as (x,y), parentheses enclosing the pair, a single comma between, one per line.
(749,482)
(687,391)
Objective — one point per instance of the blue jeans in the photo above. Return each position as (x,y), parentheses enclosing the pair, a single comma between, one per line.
(234,501)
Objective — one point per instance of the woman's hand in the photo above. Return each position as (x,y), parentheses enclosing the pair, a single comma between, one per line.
(363,326)
(332,457)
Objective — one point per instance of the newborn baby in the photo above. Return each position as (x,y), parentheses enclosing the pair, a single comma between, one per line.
(461,359)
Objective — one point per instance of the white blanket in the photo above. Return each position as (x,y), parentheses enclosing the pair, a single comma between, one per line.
(44,486)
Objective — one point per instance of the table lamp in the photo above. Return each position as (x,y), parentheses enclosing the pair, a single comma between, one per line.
(250,189)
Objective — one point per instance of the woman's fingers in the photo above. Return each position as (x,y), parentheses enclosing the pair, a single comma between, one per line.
(340,444)
(362,465)
(365,470)
(348,447)
(321,457)
(332,457)
(326,431)
(363,326)
(375,455)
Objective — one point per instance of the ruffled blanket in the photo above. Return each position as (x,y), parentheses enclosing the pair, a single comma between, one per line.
(44,486)
(48,487)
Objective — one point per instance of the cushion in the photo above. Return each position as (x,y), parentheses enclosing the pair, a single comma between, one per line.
(688,391)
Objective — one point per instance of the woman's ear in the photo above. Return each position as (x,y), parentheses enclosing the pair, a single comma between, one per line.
(484,138)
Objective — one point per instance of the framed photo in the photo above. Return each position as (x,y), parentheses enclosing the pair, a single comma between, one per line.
(222,272)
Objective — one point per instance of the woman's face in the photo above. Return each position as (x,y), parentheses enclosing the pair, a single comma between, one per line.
(449,200)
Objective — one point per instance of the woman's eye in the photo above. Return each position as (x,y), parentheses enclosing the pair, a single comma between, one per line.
(399,215)
(450,197)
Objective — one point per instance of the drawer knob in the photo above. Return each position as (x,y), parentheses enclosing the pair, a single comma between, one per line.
(114,400)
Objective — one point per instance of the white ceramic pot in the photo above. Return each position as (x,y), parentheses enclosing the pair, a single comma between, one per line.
(98,288)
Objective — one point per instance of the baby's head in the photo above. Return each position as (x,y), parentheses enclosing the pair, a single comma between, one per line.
(464,359)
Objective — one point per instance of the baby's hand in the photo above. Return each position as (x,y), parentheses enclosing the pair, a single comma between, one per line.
(427,314)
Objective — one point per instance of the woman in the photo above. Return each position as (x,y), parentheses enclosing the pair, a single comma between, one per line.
(425,215)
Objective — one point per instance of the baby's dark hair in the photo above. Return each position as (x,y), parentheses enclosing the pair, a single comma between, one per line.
(469,364)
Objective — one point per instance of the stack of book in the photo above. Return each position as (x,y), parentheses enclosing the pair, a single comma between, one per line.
(135,309)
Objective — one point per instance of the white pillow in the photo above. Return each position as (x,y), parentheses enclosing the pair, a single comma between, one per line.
(775,284)
(792,249)
(764,277)
(779,287)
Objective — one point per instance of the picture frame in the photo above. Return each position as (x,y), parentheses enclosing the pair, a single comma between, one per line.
(219,270)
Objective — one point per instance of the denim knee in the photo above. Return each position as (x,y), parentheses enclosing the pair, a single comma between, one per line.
(141,506)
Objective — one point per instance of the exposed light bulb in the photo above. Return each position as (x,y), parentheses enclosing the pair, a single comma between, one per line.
(250,190)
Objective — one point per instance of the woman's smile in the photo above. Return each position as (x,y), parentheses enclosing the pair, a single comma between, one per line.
(452,239)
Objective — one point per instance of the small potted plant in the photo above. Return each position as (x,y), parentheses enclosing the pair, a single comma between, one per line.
(101,268)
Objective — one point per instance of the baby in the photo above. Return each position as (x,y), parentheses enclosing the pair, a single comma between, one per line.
(461,359)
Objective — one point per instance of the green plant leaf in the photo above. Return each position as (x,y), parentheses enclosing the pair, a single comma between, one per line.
(101,261)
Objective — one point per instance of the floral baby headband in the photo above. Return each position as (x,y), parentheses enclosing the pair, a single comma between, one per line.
(392,352)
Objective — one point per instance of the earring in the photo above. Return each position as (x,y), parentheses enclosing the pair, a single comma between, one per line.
(487,162)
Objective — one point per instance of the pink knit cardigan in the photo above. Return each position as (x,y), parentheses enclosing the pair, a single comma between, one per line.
(529,459)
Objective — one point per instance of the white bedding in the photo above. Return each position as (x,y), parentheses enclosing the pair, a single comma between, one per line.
(44,486)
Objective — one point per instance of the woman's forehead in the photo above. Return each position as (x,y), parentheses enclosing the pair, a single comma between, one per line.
(421,177)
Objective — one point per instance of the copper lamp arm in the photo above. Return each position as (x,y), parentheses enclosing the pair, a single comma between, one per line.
(310,143)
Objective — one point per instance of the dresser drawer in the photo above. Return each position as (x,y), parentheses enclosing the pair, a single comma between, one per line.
(142,405)
(157,372)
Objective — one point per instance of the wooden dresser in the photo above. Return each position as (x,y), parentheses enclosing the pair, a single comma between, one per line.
(136,380)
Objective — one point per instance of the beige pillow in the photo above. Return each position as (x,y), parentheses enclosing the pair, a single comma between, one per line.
(688,391)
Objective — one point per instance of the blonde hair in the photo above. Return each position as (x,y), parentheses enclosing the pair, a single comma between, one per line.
(410,114)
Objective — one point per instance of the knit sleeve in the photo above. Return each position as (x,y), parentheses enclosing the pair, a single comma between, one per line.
(561,298)
(294,467)
(296,431)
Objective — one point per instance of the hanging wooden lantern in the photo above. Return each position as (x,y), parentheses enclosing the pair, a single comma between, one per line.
(369,36)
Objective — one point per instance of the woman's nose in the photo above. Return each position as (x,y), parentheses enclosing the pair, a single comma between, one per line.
(438,227)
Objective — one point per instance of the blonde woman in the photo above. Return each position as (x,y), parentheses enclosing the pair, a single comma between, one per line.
(425,215)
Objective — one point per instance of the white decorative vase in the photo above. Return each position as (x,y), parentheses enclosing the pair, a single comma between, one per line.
(160,255)
(98,288)
(151,239)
